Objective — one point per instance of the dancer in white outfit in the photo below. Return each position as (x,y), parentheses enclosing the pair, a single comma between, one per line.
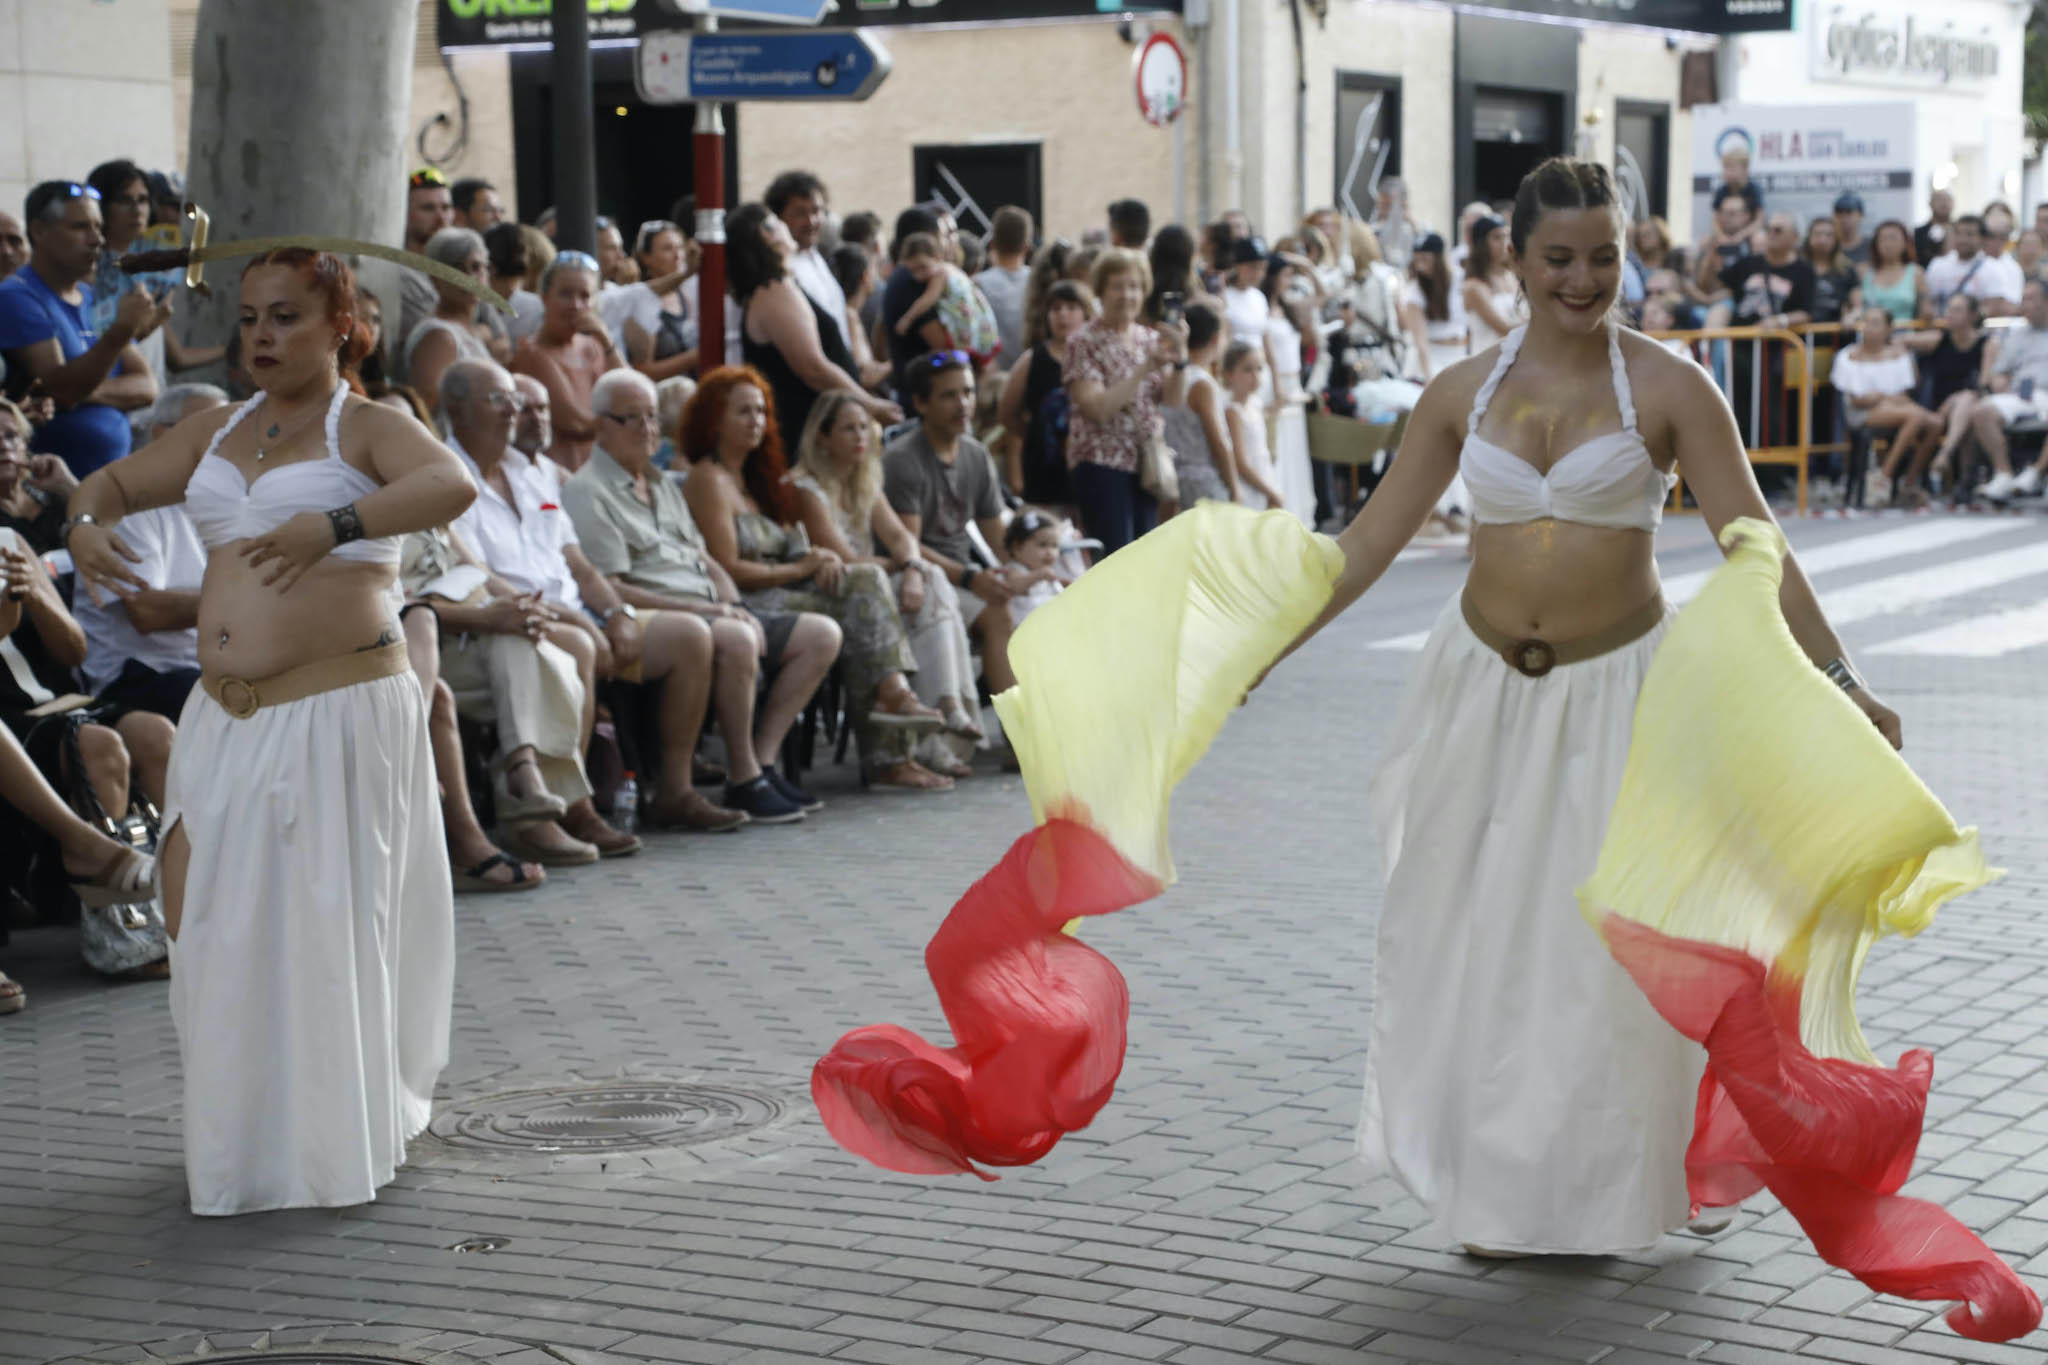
(306,881)
(1518,1084)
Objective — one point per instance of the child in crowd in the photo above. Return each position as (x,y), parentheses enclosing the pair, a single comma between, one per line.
(950,296)
(1031,556)
(1244,371)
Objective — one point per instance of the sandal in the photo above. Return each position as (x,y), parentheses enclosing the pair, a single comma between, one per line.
(527,810)
(475,879)
(958,721)
(576,854)
(909,776)
(126,878)
(12,997)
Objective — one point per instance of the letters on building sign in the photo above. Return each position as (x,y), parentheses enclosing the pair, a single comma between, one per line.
(1870,46)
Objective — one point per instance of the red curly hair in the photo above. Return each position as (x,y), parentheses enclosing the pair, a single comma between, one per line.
(766,472)
(328,276)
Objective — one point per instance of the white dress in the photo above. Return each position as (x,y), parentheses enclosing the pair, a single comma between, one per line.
(1255,455)
(1518,1083)
(313,976)
(1510,304)
(1294,477)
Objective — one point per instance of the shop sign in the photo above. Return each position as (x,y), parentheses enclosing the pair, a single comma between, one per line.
(528,23)
(1802,156)
(1685,16)
(1888,47)
(679,68)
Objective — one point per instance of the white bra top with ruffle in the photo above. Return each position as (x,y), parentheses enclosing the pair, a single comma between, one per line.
(1608,480)
(225,507)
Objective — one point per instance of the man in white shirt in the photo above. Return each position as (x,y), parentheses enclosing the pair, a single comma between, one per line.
(2017,392)
(798,198)
(1998,226)
(142,647)
(1968,269)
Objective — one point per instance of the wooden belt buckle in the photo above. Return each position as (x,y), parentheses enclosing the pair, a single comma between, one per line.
(243,705)
(1532,658)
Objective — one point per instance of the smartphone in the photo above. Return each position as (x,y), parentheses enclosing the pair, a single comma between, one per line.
(2027,390)
(1171,305)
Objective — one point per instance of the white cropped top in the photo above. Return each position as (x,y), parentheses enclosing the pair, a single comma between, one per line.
(1608,480)
(225,508)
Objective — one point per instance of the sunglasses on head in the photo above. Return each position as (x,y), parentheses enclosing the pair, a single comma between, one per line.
(942,359)
(424,178)
(651,229)
(576,260)
(74,190)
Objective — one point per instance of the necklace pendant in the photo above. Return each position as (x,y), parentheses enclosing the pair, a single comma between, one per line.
(260,453)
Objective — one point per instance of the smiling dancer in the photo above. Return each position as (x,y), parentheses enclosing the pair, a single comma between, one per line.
(305,878)
(1518,1083)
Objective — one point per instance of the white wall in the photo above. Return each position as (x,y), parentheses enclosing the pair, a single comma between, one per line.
(1620,64)
(81,84)
(1976,127)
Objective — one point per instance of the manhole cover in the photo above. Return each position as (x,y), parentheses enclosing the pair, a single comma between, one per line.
(618,1116)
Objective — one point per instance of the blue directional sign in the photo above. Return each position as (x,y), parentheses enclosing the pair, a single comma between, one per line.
(841,64)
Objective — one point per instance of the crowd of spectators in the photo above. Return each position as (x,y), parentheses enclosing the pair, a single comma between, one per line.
(918,436)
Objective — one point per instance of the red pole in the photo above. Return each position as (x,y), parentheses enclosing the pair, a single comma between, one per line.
(708,182)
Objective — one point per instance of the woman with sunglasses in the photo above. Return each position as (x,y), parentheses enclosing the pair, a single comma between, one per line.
(784,334)
(658,317)
(569,351)
(124,217)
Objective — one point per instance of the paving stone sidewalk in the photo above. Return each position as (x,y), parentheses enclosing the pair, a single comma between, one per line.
(1213,1214)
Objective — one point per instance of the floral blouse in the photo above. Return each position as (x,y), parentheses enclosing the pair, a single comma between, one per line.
(1109,358)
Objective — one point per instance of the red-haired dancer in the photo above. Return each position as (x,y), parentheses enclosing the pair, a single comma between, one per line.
(305,880)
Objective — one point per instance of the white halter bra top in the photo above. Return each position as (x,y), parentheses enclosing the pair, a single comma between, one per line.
(224,507)
(1608,480)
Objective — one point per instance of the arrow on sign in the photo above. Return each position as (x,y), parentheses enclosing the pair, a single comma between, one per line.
(832,64)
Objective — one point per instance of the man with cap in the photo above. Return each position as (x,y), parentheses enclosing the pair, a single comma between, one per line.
(1849,228)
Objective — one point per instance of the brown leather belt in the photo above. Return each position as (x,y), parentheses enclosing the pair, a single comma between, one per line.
(241,698)
(1534,658)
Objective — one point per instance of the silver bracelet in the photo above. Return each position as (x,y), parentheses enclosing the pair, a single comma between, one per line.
(1842,674)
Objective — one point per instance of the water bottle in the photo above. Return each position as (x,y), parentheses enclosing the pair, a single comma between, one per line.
(626,804)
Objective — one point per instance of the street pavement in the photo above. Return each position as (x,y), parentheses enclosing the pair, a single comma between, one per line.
(1213,1213)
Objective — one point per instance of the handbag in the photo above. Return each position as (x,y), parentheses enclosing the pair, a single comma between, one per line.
(1156,473)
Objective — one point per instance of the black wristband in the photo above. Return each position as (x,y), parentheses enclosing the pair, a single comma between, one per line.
(347,524)
(966,575)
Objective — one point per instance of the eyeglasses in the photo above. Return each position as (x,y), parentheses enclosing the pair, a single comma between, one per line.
(628,419)
(426,177)
(506,402)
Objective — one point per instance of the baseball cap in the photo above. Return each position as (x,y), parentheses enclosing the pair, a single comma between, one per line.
(1849,202)
(1248,251)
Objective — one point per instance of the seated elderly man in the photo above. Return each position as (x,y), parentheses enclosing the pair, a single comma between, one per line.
(527,542)
(636,529)
(142,647)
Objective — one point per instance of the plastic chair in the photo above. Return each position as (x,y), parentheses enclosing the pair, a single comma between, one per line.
(1354,444)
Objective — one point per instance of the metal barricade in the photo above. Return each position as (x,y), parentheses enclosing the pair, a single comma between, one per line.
(1778,372)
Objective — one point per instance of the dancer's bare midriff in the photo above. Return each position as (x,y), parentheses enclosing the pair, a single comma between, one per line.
(1559,580)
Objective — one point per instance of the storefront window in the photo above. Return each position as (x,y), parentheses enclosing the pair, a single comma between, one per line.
(1368,138)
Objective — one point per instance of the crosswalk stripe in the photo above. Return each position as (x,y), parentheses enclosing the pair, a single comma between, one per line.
(1916,538)
(1896,592)
(1978,637)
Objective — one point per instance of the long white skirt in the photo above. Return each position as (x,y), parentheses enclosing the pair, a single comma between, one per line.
(1296,479)
(313,976)
(1517,1083)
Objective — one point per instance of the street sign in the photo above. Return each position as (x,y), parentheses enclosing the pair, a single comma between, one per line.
(682,68)
(760,11)
(1161,72)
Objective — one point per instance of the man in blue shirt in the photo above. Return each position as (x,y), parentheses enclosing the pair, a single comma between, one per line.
(47,338)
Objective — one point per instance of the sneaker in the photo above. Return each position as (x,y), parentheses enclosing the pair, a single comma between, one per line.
(1877,489)
(790,791)
(2028,484)
(1999,489)
(762,802)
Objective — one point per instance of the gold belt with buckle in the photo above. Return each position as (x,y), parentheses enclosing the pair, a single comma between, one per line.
(1533,658)
(243,698)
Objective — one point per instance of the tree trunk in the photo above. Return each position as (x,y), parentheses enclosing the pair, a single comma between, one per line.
(300,114)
